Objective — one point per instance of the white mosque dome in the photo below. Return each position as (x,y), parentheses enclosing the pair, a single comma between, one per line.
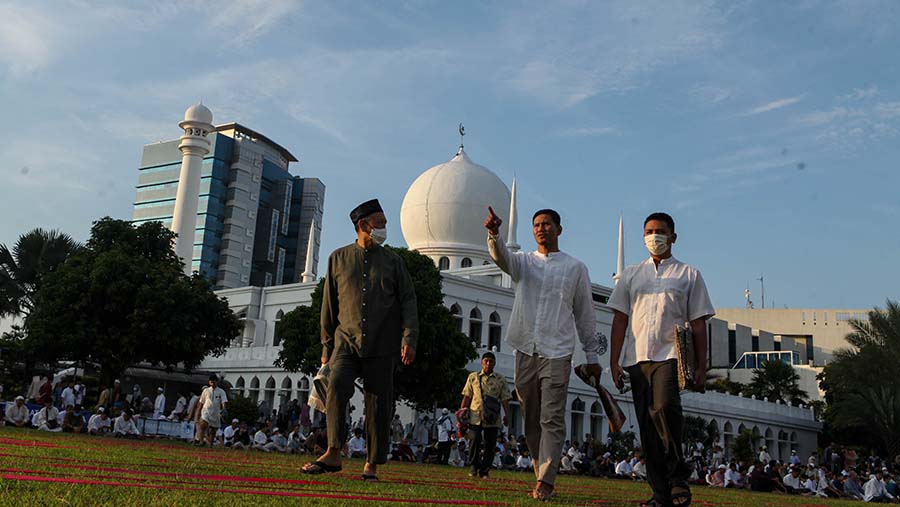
(198,113)
(444,209)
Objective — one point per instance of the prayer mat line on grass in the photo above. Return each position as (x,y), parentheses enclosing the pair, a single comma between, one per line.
(93,482)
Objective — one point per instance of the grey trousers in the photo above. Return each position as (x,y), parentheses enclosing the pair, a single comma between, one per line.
(657,405)
(542,385)
(377,374)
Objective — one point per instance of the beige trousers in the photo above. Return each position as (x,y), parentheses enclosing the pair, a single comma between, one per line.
(542,385)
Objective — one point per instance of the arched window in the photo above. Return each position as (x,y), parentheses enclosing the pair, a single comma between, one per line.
(278,317)
(596,421)
(577,430)
(238,387)
(303,391)
(475,327)
(284,395)
(465,263)
(495,331)
(254,389)
(270,393)
(444,263)
(456,313)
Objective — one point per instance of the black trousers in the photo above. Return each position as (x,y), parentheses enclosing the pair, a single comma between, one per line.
(483,448)
(657,404)
(444,451)
(377,374)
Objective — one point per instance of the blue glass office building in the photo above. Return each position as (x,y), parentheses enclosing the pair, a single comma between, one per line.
(253,217)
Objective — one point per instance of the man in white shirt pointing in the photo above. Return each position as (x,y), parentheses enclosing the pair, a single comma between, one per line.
(553,307)
(650,300)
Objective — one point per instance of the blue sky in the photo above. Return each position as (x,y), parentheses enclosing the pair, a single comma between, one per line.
(769,130)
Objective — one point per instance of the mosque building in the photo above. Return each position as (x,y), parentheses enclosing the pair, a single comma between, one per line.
(442,216)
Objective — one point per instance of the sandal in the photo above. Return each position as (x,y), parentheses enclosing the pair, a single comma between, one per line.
(370,477)
(651,503)
(681,495)
(543,492)
(318,467)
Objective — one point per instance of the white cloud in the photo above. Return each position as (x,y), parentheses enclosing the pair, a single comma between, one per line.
(605,48)
(247,20)
(860,94)
(588,131)
(771,106)
(26,37)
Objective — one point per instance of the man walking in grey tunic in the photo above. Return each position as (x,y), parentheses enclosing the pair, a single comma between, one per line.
(369,318)
(553,306)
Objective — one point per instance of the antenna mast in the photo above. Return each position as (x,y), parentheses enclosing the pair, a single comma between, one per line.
(762,286)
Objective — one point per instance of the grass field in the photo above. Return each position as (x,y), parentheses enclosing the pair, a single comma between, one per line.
(62,469)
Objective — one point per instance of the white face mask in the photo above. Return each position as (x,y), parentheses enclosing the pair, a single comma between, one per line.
(658,244)
(378,235)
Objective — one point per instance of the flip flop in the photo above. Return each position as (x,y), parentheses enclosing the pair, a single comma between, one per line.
(681,496)
(370,477)
(318,467)
(544,492)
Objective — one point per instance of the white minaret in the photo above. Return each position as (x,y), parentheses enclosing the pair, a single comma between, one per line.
(194,146)
(511,243)
(307,275)
(620,258)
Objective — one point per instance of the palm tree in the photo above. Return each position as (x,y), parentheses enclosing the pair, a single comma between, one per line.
(777,380)
(22,269)
(862,388)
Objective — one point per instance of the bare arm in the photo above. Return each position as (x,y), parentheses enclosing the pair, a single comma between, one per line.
(617,341)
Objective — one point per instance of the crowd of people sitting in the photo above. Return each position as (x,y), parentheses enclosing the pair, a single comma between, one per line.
(296,429)
(840,474)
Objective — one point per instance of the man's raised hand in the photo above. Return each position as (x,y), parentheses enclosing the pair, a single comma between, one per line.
(493,222)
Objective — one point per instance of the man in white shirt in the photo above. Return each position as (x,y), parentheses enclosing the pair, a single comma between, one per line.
(125,427)
(191,411)
(765,458)
(229,432)
(624,469)
(524,464)
(179,412)
(357,445)
(260,439)
(553,308)
(445,430)
(99,423)
(159,404)
(650,300)
(47,419)
(792,482)
(67,396)
(732,477)
(209,409)
(17,413)
(875,491)
(640,470)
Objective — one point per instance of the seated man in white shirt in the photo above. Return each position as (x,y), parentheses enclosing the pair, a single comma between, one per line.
(47,419)
(125,426)
(260,439)
(99,423)
(524,464)
(296,439)
(17,413)
(357,445)
(624,469)
(732,476)
(180,411)
(229,432)
(279,442)
(792,482)
(640,469)
(875,491)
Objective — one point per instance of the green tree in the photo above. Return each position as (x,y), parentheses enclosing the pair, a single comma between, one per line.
(241,408)
(776,380)
(742,446)
(725,385)
(124,299)
(23,268)
(439,371)
(621,443)
(695,429)
(862,408)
